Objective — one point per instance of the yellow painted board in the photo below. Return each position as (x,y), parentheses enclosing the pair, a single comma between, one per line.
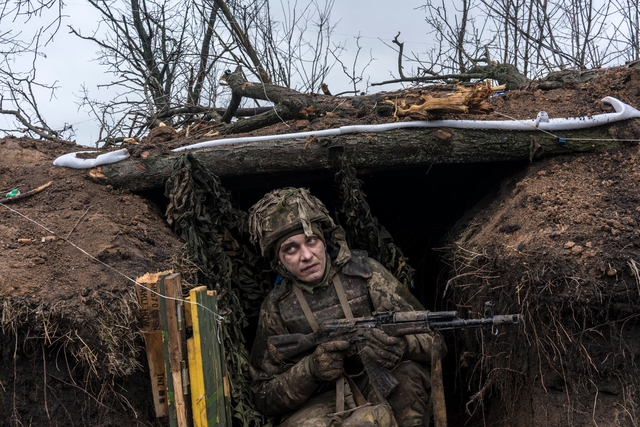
(198,398)
(197,386)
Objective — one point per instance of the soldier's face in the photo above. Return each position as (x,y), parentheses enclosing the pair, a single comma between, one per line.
(304,257)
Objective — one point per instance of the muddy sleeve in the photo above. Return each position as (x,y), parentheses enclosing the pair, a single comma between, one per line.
(277,389)
(389,294)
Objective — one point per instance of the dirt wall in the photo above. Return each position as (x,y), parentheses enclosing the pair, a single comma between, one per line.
(561,246)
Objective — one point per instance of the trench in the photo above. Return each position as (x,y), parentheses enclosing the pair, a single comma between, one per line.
(423,208)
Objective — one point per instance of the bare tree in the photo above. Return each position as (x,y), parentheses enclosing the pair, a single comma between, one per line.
(534,37)
(19,85)
(627,34)
(167,57)
(299,52)
(355,74)
(160,55)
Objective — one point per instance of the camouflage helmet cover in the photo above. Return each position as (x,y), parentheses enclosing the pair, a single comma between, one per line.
(283,211)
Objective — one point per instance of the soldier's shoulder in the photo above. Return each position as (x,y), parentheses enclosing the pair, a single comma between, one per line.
(358,265)
(281,289)
(377,267)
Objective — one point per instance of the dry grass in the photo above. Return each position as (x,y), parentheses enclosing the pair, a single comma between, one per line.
(568,344)
(89,351)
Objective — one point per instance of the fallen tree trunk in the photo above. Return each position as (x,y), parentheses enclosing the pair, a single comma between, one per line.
(417,103)
(386,150)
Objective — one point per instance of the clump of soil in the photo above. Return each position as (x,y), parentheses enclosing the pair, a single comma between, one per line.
(561,245)
(70,331)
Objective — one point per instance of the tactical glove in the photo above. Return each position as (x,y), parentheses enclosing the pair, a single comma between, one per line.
(327,361)
(384,350)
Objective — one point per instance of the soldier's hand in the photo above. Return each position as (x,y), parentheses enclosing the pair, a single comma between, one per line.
(383,349)
(327,361)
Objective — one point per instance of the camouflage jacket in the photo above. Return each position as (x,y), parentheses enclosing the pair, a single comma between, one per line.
(281,389)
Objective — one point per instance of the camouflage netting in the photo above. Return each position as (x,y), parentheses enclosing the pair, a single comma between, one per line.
(362,228)
(215,236)
(563,253)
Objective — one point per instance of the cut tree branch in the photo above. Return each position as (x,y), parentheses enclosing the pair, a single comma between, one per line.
(242,38)
(400,52)
(420,103)
(504,74)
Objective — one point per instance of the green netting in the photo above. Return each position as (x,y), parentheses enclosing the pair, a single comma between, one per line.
(215,236)
(362,228)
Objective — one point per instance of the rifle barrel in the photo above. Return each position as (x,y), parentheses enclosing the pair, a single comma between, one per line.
(413,316)
(500,319)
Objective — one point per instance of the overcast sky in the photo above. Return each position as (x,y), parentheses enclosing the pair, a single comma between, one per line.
(71,61)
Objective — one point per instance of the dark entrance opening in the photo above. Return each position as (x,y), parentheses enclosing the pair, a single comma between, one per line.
(418,206)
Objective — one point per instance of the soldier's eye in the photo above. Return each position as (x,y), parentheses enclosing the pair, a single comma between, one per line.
(289,249)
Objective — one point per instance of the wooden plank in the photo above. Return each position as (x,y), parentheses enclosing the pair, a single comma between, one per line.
(198,396)
(204,325)
(198,407)
(177,347)
(152,332)
(207,336)
(224,393)
(173,420)
(216,339)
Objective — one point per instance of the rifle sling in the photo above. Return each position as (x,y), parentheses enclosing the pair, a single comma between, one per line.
(357,394)
(344,303)
(340,394)
(342,296)
(304,305)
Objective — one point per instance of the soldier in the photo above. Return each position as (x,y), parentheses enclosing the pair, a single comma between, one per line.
(321,278)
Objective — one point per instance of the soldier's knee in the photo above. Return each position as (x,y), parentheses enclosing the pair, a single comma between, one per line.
(374,416)
(411,371)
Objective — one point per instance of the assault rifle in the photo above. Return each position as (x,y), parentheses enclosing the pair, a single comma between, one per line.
(395,324)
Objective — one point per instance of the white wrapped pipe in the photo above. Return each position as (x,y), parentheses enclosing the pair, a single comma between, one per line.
(70,160)
(542,121)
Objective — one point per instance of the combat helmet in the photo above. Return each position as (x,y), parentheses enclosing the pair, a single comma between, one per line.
(283,211)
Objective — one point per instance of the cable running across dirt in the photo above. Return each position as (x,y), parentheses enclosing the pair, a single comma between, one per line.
(219,318)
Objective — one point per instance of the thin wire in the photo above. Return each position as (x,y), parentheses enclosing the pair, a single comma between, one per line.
(600,139)
(219,318)
(527,124)
(264,89)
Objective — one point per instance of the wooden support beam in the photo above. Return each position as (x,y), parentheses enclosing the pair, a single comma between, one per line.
(385,150)
(171,390)
(152,332)
(177,347)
